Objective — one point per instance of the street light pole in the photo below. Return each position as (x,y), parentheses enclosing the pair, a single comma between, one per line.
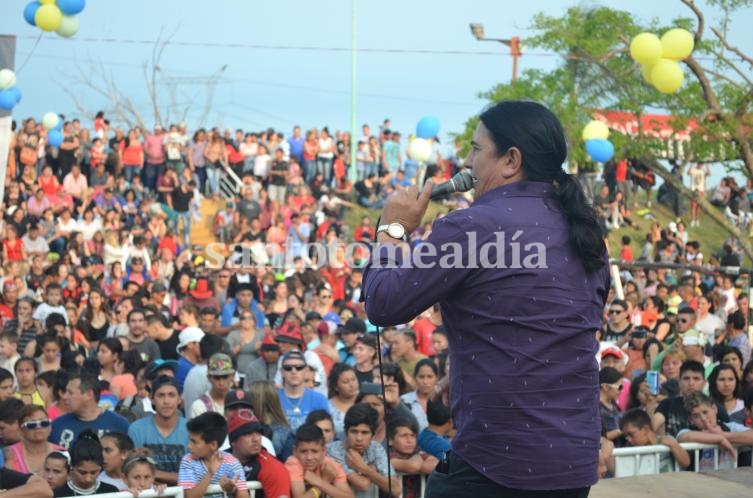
(477,29)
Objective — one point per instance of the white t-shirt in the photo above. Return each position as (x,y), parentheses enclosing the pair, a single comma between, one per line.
(697,179)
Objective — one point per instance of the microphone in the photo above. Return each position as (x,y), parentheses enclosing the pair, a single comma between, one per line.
(461,182)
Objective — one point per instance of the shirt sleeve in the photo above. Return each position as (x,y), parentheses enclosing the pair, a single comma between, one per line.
(389,277)
(295,469)
(236,473)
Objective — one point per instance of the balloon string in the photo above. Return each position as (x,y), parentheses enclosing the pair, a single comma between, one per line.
(30,53)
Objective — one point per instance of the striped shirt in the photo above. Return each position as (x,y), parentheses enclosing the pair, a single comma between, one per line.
(192,471)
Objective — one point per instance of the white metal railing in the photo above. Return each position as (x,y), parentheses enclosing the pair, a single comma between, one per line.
(645,460)
(175,491)
(230,184)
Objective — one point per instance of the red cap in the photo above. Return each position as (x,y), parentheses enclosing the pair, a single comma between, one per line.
(616,352)
(243,422)
(289,332)
(202,290)
(269,344)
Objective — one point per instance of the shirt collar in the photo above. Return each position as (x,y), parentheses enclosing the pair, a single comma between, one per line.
(517,189)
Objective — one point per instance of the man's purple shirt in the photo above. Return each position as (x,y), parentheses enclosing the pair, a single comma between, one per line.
(524,376)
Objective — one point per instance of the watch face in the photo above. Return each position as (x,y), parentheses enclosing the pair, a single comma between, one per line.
(396,230)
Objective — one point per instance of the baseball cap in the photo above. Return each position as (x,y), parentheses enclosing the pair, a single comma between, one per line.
(353,326)
(238,397)
(612,351)
(290,333)
(693,338)
(220,364)
(293,355)
(189,335)
(326,328)
(159,287)
(242,423)
(156,365)
(269,344)
(162,381)
(313,315)
(371,340)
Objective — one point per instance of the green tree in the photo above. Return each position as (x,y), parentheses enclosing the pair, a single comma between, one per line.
(597,73)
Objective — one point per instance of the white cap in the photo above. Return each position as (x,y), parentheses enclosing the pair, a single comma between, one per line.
(189,335)
(672,226)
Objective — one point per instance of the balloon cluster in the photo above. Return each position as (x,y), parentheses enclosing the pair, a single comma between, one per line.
(54,126)
(10,95)
(658,57)
(420,147)
(595,135)
(55,15)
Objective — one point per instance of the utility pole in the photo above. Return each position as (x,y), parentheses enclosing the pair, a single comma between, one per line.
(353,88)
(477,29)
(7,61)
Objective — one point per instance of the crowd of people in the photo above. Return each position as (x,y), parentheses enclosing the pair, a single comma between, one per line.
(128,363)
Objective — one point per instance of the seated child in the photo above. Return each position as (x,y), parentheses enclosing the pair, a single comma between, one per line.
(205,464)
(312,472)
(139,470)
(638,431)
(702,414)
(406,458)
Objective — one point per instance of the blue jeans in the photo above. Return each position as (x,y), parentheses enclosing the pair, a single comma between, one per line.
(150,173)
(324,166)
(131,171)
(213,177)
(186,217)
(200,172)
(365,202)
(309,170)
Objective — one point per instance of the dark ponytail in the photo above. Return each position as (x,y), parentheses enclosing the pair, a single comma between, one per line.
(537,133)
(585,233)
(87,448)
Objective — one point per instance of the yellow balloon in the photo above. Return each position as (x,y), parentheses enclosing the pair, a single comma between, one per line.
(667,76)
(677,44)
(595,129)
(646,72)
(646,48)
(48,17)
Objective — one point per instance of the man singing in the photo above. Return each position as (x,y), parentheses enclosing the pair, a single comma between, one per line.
(521,277)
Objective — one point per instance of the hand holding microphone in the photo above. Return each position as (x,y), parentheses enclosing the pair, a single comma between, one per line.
(408,206)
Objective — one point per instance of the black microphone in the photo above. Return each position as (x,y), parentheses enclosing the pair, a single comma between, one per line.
(461,182)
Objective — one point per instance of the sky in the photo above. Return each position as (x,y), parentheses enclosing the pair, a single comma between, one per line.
(418,57)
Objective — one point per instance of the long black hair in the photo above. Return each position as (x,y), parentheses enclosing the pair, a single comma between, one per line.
(87,448)
(537,133)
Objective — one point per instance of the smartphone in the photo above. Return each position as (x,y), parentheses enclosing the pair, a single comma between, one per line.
(652,379)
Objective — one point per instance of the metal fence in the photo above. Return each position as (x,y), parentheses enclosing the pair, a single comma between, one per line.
(646,460)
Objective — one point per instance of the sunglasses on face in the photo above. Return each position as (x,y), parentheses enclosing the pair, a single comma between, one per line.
(614,312)
(35,424)
(297,368)
(615,386)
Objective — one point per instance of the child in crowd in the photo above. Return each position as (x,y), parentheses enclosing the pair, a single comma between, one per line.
(57,469)
(86,465)
(53,303)
(26,373)
(610,387)
(9,350)
(406,458)
(434,439)
(323,420)
(312,472)
(636,427)
(205,464)
(364,460)
(6,384)
(702,414)
(115,448)
(139,470)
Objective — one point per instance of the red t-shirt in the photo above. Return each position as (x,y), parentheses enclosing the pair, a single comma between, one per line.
(626,254)
(15,249)
(132,153)
(621,169)
(424,328)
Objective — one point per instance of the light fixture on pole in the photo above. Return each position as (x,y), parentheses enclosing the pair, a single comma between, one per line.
(477,29)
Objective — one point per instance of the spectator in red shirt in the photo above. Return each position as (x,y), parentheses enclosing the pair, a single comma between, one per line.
(626,254)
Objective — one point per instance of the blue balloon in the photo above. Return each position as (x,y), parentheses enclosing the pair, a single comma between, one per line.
(59,126)
(55,138)
(71,7)
(30,11)
(7,100)
(600,150)
(428,127)
(17,92)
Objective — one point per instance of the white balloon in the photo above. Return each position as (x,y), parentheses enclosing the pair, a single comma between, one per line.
(7,79)
(420,150)
(50,120)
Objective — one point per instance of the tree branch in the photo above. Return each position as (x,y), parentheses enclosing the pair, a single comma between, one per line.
(699,15)
(732,49)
